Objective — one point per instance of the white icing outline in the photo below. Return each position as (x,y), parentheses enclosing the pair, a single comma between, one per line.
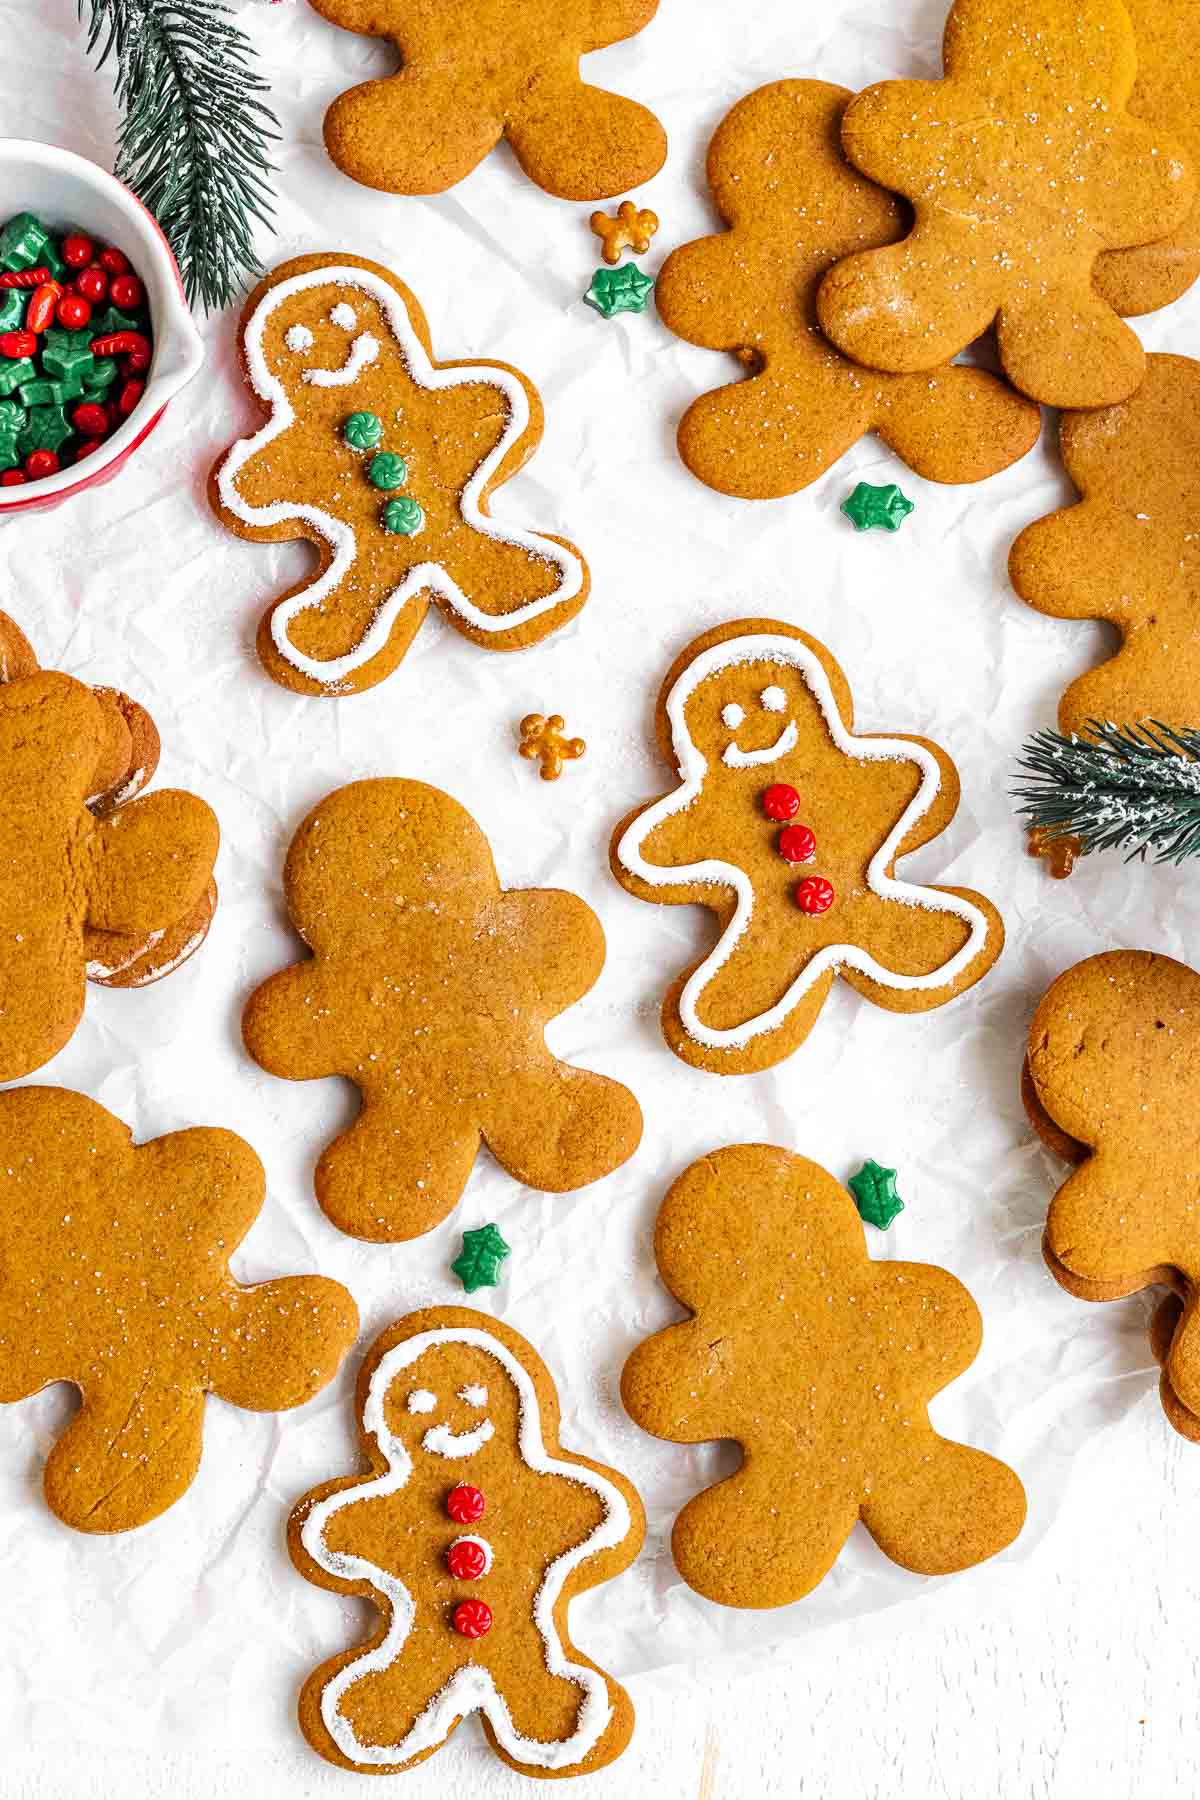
(421,1401)
(489,1556)
(693,765)
(340,537)
(443,1442)
(471,1688)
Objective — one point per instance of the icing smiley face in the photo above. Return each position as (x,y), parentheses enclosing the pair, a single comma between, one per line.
(318,339)
(769,717)
(443,1439)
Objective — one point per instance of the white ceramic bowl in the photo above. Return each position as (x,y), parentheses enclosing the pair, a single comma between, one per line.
(66,190)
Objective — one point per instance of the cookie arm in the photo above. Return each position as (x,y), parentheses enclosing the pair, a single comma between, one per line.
(419,131)
(556,1128)
(289,1024)
(548,122)
(276,1344)
(1083,562)
(148,864)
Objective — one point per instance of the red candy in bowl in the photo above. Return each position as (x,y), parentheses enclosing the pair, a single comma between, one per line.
(69,235)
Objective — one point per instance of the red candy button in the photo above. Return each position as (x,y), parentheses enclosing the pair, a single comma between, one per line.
(472,1618)
(465,1504)
(92,284)
(73,312)
(814,895)
(797,844)
(13,478)
(466,1560)
(40,463)
(780,801)
(131,392)
(17,344)
(90,418)
(77,250)
(84,448)
(126,292)
(114,260)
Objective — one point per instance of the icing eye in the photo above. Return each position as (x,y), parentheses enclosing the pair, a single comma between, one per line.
(421,1401)
(474,1396)
(344,315)
(299,338)
(732,715)
(773,698)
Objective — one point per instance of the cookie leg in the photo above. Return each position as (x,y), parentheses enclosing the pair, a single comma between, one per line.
(951,1508)
(1181,1367)
(956,424)
(510,595)
(382,1720)
(400,1169)
(917,940)
(418,132)
(910,306)
(130,1452)
(582,143)
(766,1536)
(555,1127)
(275,1345)
(1069,351)
(548,1709)
(773,433)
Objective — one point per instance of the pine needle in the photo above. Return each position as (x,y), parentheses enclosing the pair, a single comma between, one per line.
(193,142)
(1134,787)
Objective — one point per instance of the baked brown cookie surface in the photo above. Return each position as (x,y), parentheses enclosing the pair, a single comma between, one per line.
(794,206)
(114,1276)
(472,1530)
(473,74)
(820,1363)
(429,987)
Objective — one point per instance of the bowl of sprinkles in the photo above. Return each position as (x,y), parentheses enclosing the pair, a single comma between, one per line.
(95,334)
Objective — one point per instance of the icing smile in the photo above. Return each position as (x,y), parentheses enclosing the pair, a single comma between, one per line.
(444,1442)
(736,758)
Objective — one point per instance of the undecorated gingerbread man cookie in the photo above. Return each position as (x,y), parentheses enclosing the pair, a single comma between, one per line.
(788,825)
(429,986)
(1112,1084)
(472,75)
(114,1276)
(793,206)
(821,1364)
(1128,552)
(1022,166)
(98,884)
(385,461)
(472,1532)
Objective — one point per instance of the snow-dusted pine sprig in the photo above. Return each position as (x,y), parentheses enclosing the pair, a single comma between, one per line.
(1131,787)
(194,137)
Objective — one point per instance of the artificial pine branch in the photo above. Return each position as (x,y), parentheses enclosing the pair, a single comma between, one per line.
(193,143)
(1133,786)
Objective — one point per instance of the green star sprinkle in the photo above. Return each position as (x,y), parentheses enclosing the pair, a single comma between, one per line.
(387,470)
(12,309)
(403,517)
(874,1190)
(619,290)
(883,506)
(478,1262)
(363,430)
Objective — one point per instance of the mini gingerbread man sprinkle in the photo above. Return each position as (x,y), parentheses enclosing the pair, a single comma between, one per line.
(544,739)
(626,229)
(1059,852)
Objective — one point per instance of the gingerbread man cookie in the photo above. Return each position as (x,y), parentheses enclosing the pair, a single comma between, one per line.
(1022,165)
(114,1276)
(472,1532)
(1111,1085)
(794,206)
(788,827)
(821,1364)
(385,461)
(1128,552)
(429,986)
(1166,96)
(472,75)
(100,886)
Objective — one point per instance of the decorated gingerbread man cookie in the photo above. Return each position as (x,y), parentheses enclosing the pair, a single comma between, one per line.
(821,1364)
(429,986)
(787,825)
(1128,552)
(100,886)
(1022,166)
(114,1276)
(471,75)
(794,206)
(1111,1085)
(472,1532)
(385,461)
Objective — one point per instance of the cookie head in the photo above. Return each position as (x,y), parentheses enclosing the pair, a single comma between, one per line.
(321,336)
(748,714)
(451,1403)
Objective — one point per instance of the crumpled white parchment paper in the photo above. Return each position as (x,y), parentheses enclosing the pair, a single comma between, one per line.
(152,1636)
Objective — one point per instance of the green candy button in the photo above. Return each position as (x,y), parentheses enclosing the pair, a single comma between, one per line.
(403,517)
(387,471)
(363,430)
